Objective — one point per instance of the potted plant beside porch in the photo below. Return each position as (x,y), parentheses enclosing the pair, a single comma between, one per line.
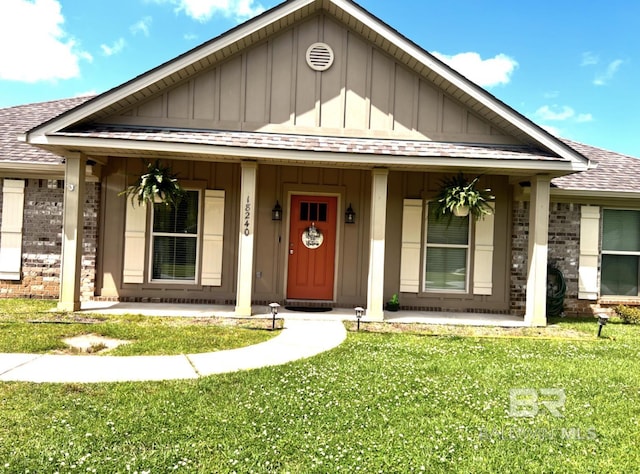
(393,304)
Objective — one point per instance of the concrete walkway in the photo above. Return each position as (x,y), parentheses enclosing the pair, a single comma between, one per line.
(298,340)
(305,335)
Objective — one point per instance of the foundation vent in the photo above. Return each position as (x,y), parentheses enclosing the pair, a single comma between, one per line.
(319,56)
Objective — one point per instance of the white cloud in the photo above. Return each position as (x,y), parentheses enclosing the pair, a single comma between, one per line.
(190,36)
(604,77)
(583,118)
(484,72)
(203,10)
(554,112)
(589,59)
(551,94)
(115,48)
(86,93)
(141,26)
(552,130)
(34,45)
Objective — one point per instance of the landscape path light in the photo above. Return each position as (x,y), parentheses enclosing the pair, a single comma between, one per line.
(359,313)
(603,319)
(274,312)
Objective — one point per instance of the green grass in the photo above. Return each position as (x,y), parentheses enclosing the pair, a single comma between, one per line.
(29,326)
(377,403)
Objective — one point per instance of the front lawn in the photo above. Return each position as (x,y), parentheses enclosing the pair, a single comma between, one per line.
(380,402)
(30,326)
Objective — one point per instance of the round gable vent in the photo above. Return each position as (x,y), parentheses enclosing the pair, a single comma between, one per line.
(319,56)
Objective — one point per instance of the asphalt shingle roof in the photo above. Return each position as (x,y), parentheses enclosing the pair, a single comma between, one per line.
(279,141)
(21,118)
(615,172)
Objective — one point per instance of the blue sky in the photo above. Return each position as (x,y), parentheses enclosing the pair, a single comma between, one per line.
(572,67)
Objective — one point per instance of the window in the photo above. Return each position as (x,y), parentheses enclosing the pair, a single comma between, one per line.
(175,240)
(313,211)
(447,253)
(620,252)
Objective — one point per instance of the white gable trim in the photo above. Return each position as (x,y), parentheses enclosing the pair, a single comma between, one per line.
(170,67)
(479,94)
(288,8)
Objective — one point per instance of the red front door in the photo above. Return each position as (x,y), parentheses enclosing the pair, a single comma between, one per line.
(312,244)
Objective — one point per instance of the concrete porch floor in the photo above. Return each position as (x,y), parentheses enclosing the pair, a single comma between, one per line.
(337,314)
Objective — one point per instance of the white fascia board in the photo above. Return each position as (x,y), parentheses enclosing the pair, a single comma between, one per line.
(30,170)
(595,193)
(383,160)
(465,85)
(169,68)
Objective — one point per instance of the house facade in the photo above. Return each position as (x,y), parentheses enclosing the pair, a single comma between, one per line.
(320,111)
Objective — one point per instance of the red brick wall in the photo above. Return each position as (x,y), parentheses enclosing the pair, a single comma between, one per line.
(42,241)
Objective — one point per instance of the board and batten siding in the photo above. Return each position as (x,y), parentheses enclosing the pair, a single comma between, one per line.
(270,87)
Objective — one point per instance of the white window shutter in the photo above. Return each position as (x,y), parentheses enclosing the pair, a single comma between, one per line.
(483,256)
(134,243)
(589,253)
(411,240)
(213,233)
(11,230)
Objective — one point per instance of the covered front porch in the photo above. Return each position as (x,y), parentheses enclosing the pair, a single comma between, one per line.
(253,268)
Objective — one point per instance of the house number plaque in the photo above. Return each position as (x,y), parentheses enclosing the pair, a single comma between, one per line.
(312,238)
(247,217)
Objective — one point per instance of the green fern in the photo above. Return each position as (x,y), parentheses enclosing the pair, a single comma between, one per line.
(457,191)
(158,184)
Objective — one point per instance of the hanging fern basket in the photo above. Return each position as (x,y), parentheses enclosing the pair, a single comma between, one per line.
(157,185)
(459,197)
(461,211)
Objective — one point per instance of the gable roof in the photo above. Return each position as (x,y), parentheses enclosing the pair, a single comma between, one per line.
(283,16)
(15,121)
(615,173)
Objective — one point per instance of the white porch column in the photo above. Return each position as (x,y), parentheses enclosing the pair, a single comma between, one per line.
(375,288)
(248,181)
(72,226)
(536,309)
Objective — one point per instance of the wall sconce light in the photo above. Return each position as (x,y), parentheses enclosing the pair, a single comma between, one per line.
(359,313)
(350,215)
(276,212)
(274,312)
(603,319)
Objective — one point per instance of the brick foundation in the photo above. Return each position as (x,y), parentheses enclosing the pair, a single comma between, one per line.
(42,241)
